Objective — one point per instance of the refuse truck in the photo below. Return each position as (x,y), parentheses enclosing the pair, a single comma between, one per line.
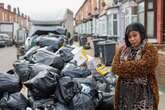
(44,29)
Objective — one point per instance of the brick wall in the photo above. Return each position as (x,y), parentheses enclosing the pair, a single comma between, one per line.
(87,8)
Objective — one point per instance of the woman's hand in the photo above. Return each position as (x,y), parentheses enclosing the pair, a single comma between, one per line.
(119,47)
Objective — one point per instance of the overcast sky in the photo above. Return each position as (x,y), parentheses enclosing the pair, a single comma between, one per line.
(44,9)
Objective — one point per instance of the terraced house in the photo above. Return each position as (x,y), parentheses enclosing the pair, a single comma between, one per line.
(110,17)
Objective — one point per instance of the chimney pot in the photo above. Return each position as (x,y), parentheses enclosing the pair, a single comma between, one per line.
(2,5)
(9,7)
(14,10)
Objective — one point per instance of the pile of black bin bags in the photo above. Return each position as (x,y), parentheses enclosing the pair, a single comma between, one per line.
(54,82)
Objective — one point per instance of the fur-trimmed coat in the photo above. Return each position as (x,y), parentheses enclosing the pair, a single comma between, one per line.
(145,66)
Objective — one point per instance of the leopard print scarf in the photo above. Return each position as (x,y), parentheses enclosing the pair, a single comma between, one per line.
(132,53)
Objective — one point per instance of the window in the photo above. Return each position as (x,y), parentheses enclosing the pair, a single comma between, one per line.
(141,7)
(10,18)
(109,24)
(134,13)
(98,4)
(134,10)
(141,13)
(127,21)
(3,18)
(89,27)
(104,24)
(115,16)
(101,26)
(134,18)
(93,25)
(141,18)
(97,26)
(82,28)
(110,2)
(86,27)
(150,18)
(150,23)
(150,5)
(114,24)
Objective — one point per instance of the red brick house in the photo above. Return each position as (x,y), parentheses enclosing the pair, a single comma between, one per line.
(13,16)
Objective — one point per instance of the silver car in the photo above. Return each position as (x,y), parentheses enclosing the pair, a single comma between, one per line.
(2,41)
(5,40)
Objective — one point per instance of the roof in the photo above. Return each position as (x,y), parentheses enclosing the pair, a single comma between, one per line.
(81,7)
(37,22)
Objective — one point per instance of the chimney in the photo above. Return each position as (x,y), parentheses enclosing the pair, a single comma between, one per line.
(18,11)
(2,5)
(15,10)
(22,14)
(9,7)
(28,18)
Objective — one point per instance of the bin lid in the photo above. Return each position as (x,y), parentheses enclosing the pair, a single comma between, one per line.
(107,42)
(82,36)
(98,39)
(102,36)
(112,36)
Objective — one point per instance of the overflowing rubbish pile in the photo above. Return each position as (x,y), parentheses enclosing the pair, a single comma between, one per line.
(63,79)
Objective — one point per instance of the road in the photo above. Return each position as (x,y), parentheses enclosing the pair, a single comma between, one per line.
(7,58)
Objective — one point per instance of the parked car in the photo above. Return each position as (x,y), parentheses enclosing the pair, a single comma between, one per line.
(5,40)
(2,42)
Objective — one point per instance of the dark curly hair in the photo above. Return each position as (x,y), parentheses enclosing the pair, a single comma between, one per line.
(135,27)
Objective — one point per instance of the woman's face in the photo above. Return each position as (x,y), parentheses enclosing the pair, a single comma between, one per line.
(134,38)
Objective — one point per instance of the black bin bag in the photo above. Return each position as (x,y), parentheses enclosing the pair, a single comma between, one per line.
(74,71)
(15,101)
(42,103)
(48,58)
(58,62)
(65,53)
(106,101)
(27,71)
(22,69)
(58,106)
(43,84)
(82,102)
(9,83)
(66,90)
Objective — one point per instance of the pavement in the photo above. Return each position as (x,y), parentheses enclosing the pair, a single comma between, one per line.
(160,73)
(162,97)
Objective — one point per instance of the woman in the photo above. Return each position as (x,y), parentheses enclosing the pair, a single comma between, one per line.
(135,65)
